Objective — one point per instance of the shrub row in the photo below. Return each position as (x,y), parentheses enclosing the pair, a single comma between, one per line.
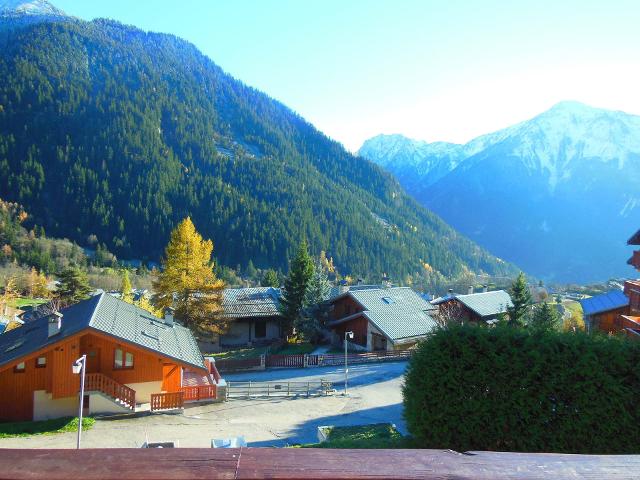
(507,389)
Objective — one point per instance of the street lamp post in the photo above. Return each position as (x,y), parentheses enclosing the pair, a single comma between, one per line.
(346,366)
(79,367)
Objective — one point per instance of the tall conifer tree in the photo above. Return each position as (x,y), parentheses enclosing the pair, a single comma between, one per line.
(295,287)
(521,299)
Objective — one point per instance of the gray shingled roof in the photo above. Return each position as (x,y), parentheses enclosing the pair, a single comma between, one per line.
(251,302)
(487,304)
(602,303)
(398,312)
(374,299)
(401,322)
(113,317)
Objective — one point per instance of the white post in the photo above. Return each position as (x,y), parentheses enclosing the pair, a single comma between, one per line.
(346,366)
(80,367)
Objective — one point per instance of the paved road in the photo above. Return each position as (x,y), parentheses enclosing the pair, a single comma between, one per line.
(375,396)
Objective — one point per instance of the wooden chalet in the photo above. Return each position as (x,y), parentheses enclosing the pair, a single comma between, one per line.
(603,312)
(253,314)
(381,318)
(474,307)
(131,356)
(631,323)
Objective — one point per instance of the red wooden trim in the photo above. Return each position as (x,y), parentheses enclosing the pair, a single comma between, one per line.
(290,463)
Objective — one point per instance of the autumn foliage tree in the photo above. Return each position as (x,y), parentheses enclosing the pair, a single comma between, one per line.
(187,281)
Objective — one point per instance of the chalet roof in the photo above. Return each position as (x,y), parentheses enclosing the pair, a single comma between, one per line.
(635,239)
(111,316)
(251,302)
(604,302)
(401,322)
(375,299)
(487,304)
(398,312)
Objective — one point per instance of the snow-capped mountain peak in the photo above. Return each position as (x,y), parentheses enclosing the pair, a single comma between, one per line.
(29,7)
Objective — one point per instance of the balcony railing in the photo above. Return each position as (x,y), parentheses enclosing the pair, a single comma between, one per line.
(108,386)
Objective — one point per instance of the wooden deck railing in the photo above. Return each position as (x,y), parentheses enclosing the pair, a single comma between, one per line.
(167,401)
(323,463)
(101,383)
(198,393)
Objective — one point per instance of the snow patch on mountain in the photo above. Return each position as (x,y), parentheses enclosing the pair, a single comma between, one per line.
(31,7)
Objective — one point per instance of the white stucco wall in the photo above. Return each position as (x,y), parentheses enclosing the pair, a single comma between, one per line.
(45,407)
(100,404)
(144,390)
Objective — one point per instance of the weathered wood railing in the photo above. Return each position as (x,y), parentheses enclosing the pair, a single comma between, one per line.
(324,463)
(167,401)
(198,393)
(355,358)
(101,383)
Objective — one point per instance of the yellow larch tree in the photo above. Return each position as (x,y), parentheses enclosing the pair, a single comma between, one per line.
(188,283)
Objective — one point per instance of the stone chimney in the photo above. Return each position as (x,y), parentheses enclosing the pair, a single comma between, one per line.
(168,316)
(54,324)
(485,288)
(470,291)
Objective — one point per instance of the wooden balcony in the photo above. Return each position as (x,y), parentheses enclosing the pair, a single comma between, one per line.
(634,261)
(290,463)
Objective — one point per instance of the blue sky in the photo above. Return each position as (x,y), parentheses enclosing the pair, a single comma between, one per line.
(433,70)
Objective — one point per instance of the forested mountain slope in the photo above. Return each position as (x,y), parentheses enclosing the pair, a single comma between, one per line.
(110,131)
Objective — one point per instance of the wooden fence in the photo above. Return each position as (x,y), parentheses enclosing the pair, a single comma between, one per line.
(198,393)
(370,357)
(286,361)
(303,361)
(238,365)
(167,401)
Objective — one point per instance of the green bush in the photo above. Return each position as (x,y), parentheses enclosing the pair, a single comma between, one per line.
(508,389)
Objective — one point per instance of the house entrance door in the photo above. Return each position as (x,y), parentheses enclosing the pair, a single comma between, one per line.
(93,360)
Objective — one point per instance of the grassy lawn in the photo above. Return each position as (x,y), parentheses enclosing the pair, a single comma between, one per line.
(294,349)
(240,354)
(26,302)
(379,435)
(243,353)
(45,427)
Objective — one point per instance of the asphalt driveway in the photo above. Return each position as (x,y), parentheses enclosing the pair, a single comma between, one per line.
(374,396)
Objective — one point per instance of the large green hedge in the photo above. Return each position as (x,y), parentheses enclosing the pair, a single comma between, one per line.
(507,389)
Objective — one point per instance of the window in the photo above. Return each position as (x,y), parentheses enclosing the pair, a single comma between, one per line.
(128,360)
(261,330)
(122,359)
(19,368)
(41,362)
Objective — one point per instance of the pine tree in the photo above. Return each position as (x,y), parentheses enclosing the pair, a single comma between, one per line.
(144,303)
(544,317)
(295,287)
(74,286)
(188,283)
(126,288)
(310,322)
(270,279)
(521,299)
(252,273)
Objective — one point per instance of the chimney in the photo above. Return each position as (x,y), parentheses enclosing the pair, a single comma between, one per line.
(54,324)
(450,291)
(485,288)
(168,316)
(470,291)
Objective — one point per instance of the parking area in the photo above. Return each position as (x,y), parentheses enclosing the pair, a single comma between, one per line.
(375,395)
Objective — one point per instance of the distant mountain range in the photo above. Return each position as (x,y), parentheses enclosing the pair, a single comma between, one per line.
(108,131)
(558,194)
